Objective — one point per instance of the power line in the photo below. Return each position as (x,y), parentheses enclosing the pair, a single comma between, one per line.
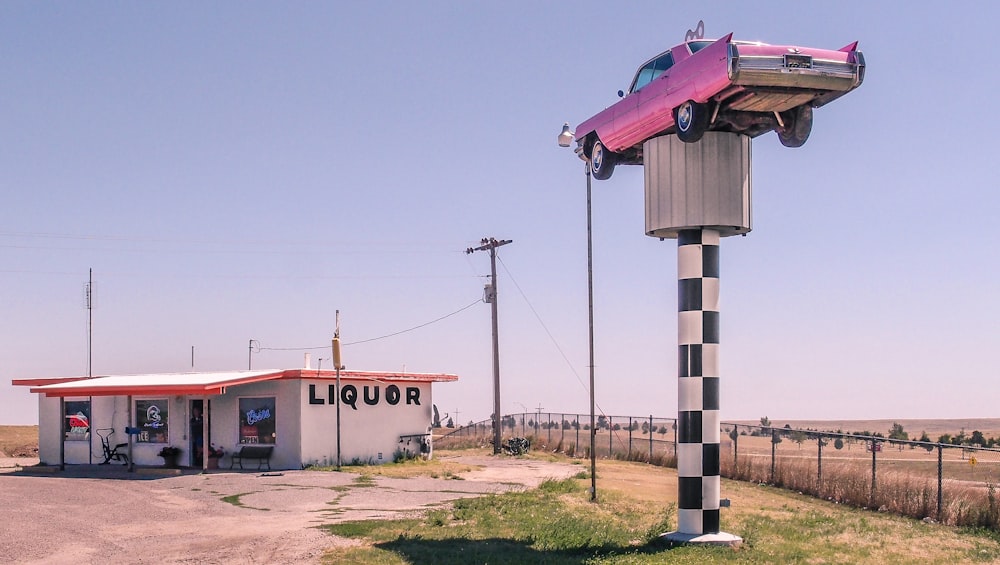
(544,327)
(425,324)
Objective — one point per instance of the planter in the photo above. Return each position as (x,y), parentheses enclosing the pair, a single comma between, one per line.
(170,461)
(213,462)
(170,456)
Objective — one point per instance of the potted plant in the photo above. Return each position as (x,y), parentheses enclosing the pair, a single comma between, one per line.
(214,454)
(170,454)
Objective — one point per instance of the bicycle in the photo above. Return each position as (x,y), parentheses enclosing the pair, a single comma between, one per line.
(109,453)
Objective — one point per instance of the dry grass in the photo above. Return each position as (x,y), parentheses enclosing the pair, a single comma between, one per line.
(19,441)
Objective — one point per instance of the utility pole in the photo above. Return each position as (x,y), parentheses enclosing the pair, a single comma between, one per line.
(490,244)
(250,353)
(337,366)
(90,323)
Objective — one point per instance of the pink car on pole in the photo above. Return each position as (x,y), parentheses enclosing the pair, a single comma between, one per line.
(721,85)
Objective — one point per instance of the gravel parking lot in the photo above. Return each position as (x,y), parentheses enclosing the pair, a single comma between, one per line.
(103,514)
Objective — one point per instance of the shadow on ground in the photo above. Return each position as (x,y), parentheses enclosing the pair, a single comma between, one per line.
(497,551)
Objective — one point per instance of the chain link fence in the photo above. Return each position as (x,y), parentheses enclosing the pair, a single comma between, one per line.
(647,439)
(952,484)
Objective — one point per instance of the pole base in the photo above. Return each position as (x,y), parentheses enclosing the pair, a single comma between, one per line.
(721,539)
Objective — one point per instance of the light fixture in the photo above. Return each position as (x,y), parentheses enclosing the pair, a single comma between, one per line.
(566,136)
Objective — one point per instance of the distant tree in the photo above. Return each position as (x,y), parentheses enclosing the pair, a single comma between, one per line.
(602,422)
(765,422)
(897,432)
(663,430)
(798,437)
(450,423)
(924,436)
(838,443)
(734,433)
(977,438)
(961,438)
(616,427)
(645,427)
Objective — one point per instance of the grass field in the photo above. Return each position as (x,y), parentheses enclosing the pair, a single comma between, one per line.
(557,524)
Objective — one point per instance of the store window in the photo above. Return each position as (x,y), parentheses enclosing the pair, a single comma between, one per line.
(77,418)
(151,419)
(257,420)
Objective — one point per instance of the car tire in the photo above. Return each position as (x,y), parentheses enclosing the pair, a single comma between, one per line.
(798,126)
(691,121)
(602,161)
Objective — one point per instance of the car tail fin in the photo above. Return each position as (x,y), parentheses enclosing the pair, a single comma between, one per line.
(849,47)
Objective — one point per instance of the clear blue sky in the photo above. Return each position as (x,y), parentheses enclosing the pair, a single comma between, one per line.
(242,171)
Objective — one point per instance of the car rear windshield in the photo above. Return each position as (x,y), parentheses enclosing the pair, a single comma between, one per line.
(696,46)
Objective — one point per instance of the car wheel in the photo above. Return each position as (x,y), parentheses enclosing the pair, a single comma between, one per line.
(691,119)
(798,126)
(602,161)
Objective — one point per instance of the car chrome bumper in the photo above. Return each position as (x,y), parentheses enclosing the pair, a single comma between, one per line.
(772,72)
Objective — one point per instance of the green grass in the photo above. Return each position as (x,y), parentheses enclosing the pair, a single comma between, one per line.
(556,523)
(236,500)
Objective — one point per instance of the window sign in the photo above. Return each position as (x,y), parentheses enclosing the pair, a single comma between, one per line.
(257,420)
(151,419)
(77,418)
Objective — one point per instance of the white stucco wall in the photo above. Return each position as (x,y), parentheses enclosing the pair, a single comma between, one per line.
(306,432)
(371,425)
(225,419)
(105,412)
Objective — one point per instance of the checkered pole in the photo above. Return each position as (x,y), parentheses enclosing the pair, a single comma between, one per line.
(698,381)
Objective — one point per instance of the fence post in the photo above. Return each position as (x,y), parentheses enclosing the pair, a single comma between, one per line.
(650,438)
(940,481)
(819,466)
(674,425)
(548,424)
(874,453)
(611,436)
(562,431)
(736,443)
(576,446)
(629,457)
(774,446)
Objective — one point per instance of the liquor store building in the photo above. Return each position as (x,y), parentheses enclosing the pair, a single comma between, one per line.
(301,414)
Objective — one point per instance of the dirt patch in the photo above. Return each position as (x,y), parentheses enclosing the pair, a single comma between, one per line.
(102,514)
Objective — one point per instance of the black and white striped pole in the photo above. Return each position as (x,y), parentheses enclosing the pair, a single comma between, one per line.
(698,193)
(698,381)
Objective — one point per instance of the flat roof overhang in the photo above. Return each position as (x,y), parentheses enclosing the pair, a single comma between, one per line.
(195,384)
(202,384)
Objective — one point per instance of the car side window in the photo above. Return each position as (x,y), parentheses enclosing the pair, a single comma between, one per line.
(653,69)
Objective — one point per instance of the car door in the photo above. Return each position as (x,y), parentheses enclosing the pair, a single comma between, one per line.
(653,115)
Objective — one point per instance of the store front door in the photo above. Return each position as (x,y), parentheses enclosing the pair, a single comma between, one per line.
(197,431)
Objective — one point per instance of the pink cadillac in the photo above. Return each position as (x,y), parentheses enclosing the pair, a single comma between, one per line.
(722,85)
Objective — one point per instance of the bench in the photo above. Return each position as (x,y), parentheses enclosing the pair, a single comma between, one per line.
(262,453)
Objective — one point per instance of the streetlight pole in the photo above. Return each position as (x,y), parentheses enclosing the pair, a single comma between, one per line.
(490,244)
(590,342)
(565,138)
